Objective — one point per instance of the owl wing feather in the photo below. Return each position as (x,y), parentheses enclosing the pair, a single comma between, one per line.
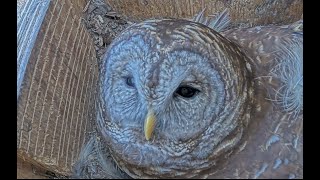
(273,146)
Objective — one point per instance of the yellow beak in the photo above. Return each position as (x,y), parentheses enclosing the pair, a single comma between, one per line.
(149,124)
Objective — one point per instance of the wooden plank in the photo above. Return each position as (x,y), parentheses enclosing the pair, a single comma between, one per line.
(30,15)
(255,12)
(27,170)
(58,87)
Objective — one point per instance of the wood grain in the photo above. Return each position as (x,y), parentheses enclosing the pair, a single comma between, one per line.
(27,170)
(57,95)
(255,12)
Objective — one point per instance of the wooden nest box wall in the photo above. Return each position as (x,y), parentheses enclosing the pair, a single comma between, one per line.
(57,80)
(57,67)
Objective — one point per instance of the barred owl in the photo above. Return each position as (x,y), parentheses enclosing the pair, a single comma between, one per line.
(183,99)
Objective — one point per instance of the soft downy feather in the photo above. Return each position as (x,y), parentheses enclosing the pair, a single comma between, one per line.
(217,22)
(289,70)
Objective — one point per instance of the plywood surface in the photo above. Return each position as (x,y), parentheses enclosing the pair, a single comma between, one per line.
(56,102)
(256,12)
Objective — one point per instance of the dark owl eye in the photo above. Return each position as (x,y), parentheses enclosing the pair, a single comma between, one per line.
(129,81)
(186,91)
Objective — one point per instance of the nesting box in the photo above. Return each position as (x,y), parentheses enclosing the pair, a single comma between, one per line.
(253,12)
(57,70)
(57,80)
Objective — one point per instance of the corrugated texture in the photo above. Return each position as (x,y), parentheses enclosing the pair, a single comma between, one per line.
(257,12)
(30,15)
(58,91)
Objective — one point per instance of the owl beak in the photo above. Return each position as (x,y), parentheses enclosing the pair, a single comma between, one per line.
(149,124)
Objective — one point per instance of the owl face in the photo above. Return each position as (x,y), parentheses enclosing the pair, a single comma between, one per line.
(172,95)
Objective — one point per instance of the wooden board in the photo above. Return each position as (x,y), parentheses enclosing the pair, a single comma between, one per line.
(58,87)
(27,170)
(256,12)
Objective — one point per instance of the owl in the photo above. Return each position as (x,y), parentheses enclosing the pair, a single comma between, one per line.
(191,99)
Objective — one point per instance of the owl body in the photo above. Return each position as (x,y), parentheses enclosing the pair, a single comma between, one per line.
(214,100)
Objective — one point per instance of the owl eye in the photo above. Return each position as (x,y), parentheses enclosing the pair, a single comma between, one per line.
(186,91)
(129,81)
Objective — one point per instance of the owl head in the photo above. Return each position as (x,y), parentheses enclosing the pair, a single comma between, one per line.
(175,98)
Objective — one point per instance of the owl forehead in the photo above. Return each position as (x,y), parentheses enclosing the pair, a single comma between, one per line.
(165,34)
(158,37)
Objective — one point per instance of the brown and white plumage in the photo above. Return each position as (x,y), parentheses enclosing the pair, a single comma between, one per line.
(256,125)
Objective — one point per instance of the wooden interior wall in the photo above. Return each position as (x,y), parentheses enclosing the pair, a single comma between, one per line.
(57,95)
(256,12)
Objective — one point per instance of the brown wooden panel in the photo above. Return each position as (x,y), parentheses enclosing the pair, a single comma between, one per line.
(58,90)
(27,170)
(257,12)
